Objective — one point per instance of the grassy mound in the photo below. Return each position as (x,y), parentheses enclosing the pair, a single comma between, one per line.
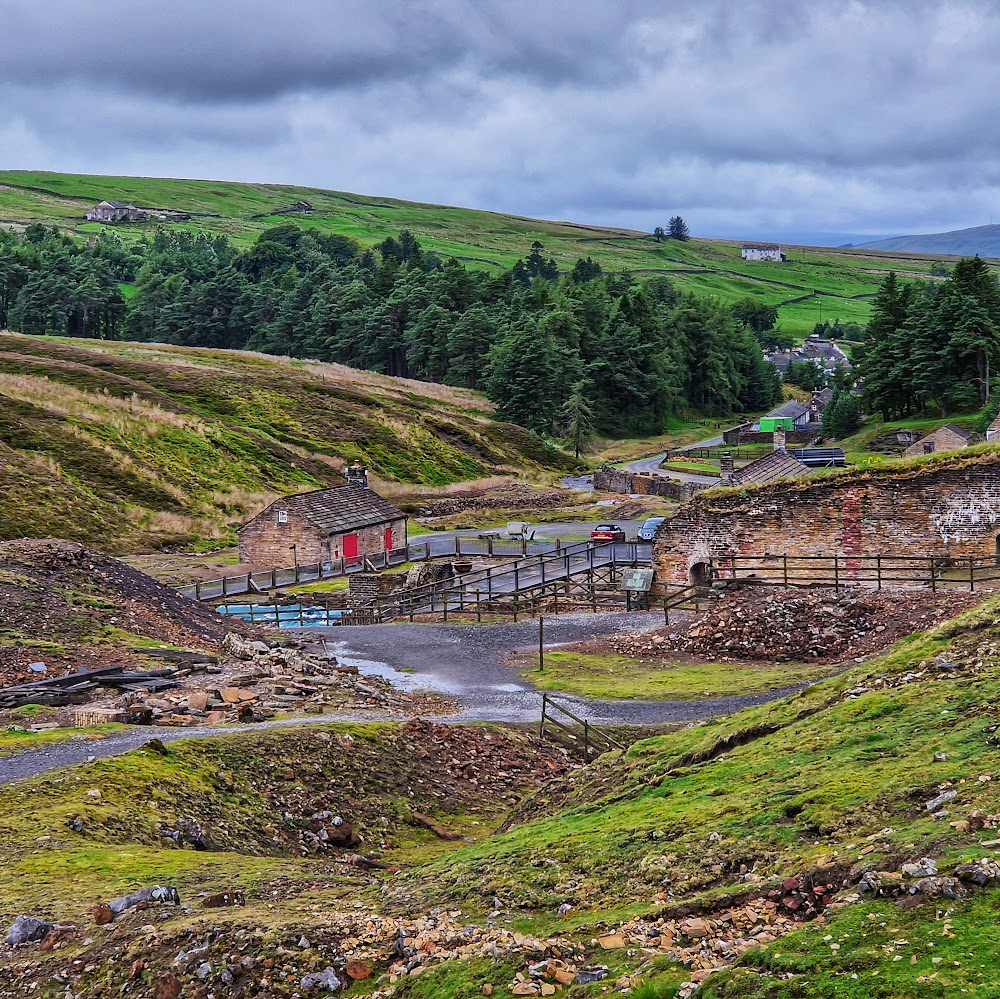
(126,445)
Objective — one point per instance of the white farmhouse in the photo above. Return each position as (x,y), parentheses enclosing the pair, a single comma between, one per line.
(763,251)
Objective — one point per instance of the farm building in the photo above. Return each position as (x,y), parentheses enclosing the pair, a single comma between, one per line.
(348,522)
(763,251)
(791,415)
(115,211)
(946,438)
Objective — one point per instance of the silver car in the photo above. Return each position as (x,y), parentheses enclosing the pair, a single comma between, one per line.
(648,529)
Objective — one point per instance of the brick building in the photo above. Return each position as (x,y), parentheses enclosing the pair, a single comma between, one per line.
(347,522)
(949,508)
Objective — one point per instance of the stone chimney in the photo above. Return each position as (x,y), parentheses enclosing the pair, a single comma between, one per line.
(726,468)
(356,475)
(779,438)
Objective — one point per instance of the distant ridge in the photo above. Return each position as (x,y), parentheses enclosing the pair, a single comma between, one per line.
(981,239)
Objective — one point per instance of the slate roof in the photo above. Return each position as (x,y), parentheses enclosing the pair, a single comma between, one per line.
(790,410)
(993,430)
(776,465)
(341,509)
(956,430)
(761,246)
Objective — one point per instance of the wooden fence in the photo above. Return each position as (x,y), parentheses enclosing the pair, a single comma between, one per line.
(561,725)
(933,571)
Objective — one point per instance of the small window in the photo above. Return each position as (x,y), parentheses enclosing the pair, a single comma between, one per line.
(282,516)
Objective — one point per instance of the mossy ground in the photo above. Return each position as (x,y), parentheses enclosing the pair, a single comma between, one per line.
(615,677)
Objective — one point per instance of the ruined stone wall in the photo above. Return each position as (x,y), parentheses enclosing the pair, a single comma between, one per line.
(614,480)
(946,508)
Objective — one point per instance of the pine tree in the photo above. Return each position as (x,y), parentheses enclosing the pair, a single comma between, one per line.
(677,228)
(578,416)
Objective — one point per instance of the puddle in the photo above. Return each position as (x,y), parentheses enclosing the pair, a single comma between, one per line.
(509,688)
(400,679)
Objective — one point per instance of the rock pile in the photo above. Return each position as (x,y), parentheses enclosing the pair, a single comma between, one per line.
(796,624)
(273,678)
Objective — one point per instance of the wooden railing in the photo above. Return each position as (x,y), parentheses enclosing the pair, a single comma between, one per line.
(574,732)
(933,571)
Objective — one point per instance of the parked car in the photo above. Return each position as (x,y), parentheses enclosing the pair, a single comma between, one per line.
(607,532)
(648,529)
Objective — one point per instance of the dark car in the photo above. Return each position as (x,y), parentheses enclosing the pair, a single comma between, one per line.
(648,529)
(607,532)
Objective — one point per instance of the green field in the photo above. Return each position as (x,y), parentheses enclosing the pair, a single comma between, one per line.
(837,281)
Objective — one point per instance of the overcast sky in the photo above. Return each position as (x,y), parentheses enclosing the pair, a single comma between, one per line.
(751,118)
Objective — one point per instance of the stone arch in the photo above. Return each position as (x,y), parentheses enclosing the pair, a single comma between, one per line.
(700,574)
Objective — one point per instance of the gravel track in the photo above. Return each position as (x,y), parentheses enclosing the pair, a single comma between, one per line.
(464,662)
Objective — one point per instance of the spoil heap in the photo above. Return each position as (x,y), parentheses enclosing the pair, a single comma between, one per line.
(796,624)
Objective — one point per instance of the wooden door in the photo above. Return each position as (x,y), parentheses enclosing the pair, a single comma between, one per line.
(350,546)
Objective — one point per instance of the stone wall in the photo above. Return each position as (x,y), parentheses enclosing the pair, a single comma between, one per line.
(364,586)
(948,507)
(614,480)
(265,542)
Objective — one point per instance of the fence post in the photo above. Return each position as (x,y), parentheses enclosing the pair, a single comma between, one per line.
(489,545)
(586,739)
(444,602)
(410,601)
(197,591)
(479,616)
(516,583)
(223,585)
(972,578)
(274,579)
(666,612)
(930,565)
(515,606)
(784,567)
(248,582)
(836,573)
(541,724)
(558,545)
(524,546)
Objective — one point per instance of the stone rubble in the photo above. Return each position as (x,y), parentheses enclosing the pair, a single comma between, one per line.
(772,624)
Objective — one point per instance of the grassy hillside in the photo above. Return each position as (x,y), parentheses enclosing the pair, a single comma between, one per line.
(824,787)
(818,283)
(127,445)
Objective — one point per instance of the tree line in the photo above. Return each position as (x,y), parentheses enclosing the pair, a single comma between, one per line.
(933,346)
(558,352)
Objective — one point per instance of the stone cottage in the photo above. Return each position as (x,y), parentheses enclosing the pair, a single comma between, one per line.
(946,438)
(348,522)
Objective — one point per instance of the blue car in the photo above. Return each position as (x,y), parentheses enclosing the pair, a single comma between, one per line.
(648,529)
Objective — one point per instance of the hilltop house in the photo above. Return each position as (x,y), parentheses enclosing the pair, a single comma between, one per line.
(115,211)
(345,522)
(763,251)
(946,438)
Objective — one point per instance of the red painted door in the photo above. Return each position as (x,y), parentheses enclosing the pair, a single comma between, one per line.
(388,539)
(350,546)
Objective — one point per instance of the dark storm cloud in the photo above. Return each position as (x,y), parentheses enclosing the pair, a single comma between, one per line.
(746,115)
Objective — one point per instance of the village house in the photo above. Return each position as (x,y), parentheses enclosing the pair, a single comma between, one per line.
(115,211)
(819,401)
(946,438)
(345,522)
(825,354)
(763,251)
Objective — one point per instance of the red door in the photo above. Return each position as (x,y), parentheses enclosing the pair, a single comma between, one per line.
(350,546)
(388,539)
